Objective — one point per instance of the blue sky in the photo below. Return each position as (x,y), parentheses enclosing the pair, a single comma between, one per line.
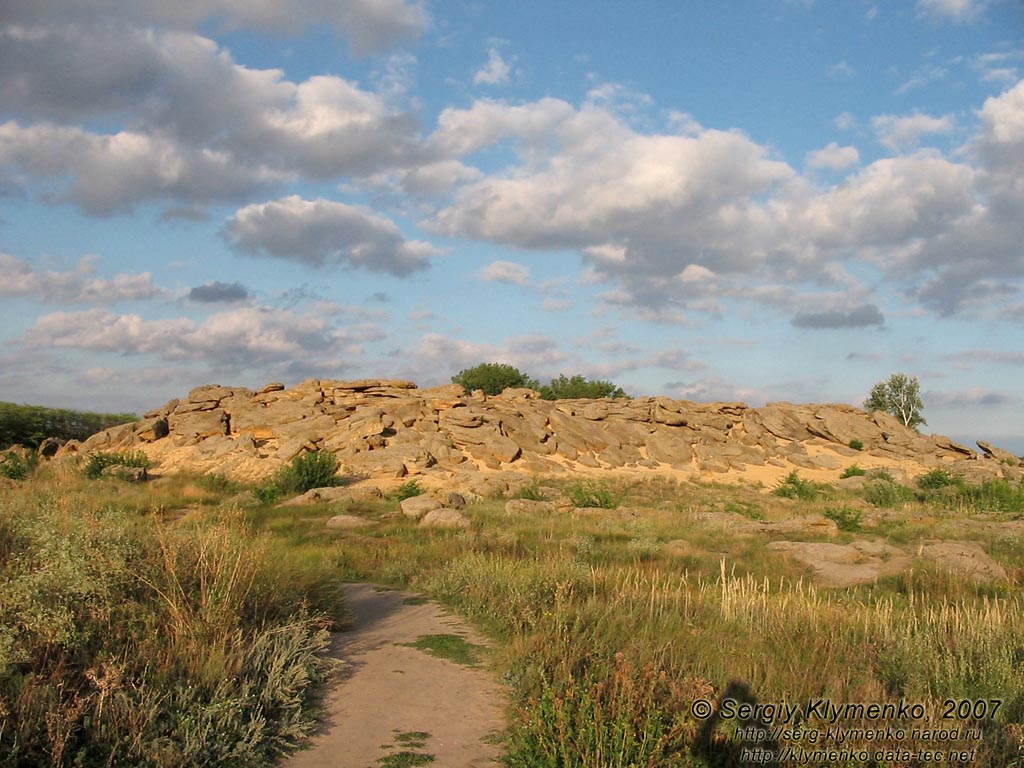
(759,201)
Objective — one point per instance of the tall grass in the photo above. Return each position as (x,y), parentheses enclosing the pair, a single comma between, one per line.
(127,642)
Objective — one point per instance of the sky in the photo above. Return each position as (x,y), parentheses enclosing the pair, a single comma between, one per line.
(758,201)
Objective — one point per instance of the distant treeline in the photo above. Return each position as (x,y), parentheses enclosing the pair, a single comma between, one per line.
(29,425)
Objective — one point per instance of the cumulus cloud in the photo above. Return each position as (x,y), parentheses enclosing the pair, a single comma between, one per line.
(833,157)
(496,71)
(904,132)
(508,272)
(18,277)
(863,316)
(951,10)
(200,127)
(370,26)
(109,173)
(323,233)
(217,293)
(237,340)
(667,200)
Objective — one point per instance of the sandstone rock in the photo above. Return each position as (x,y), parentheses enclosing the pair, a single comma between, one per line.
(129,474)
(966,557)
(442,517)
(838,565)
(417,506)
(49,447)
(999,454)
(388,429)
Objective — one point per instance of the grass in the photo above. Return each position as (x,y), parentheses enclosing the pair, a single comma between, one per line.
(603,632)
(795,487)
(98,462)
(127,641)
(451,647)
(406,757)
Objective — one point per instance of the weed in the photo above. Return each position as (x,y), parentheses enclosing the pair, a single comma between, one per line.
(409,490)
(100,461)
(412,739)
(886,492)
(585,495)
(452,647)
(795,487)
(845,518)
(936,479)
(314,469)
(531,492)
(853,471)
(217,484)
(17,466)
(405,759)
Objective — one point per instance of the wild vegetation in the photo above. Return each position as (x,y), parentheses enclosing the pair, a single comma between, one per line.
(127,639)
(608,625)
(29,425)
(495,378)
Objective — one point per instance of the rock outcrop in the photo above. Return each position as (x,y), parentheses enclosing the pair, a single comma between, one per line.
(444,436)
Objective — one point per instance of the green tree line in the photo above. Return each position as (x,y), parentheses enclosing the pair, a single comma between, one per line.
(29,425)
(495,378)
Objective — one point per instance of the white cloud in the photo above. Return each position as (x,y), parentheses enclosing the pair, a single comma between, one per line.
(323,233)
(833,157)
(370,26)
(106,174)
(496,71)
(508,272)
(842,69)
(236,340)
(18,277)
(200,126)
(900,133)
(951,10)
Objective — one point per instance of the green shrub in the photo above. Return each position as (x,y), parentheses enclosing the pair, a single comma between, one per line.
(795,487)
(593,495)
(936,479)
(100,461)
(531,492)
(853,471)
(29,425)
(315,469)
(16,466)
(845,518)
(857,445)
(408,490)
(886,493)
(126,642)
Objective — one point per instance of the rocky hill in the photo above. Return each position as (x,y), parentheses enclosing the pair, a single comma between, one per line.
(445,436)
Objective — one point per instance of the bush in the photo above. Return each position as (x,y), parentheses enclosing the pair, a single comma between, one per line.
(125,642)
(17,466)
(315,469)
(408,490)
(590,495)
(883,492)
(578,387)
(853,471)
(846,519)
(493,378)
(29,425)
(795,487)
(100,461)
(936,479)
(857,445)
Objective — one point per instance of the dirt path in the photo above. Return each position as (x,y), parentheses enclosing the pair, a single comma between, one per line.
(394,699)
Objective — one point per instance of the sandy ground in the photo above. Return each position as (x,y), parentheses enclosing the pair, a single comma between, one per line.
(387,689)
